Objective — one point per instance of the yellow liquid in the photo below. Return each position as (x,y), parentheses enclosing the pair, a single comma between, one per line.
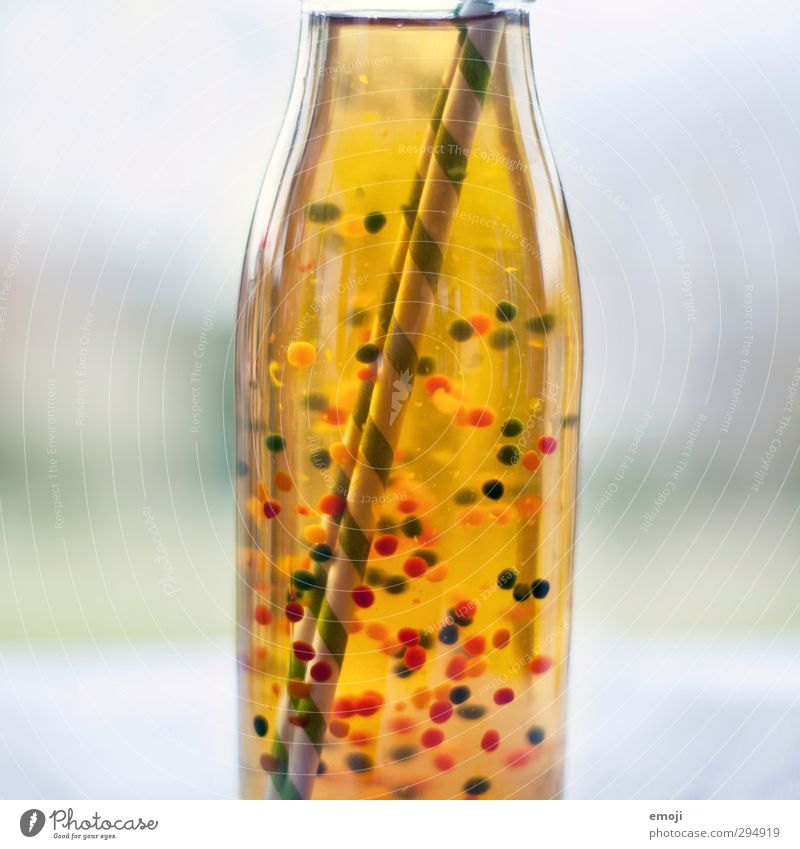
(483,483)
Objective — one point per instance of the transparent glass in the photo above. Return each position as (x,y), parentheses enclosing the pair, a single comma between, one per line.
(450,675)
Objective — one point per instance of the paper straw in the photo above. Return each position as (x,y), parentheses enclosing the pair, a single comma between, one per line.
(383,425)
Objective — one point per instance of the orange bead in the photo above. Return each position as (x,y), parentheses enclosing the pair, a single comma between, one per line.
(332,504)
(481,322)
(420,698)
(480,417)
(475,645)
(377,630)
(437,381)
(531,461)
(301,354)
(437,573)
(340,454)
(501,638)
(283,481)
(315,534)
(297,689)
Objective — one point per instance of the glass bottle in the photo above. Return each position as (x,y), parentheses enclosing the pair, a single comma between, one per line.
(406,497)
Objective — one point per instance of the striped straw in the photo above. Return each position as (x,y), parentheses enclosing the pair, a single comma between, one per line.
(382,427)
(285,731)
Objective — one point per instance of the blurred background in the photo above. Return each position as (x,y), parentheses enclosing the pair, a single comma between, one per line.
(133,138)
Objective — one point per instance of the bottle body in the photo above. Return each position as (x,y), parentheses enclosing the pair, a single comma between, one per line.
(454,646)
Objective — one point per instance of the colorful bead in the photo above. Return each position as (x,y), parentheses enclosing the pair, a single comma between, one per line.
(426,366)
(323,212)
(321,553)
(271,508)
(547,444)
(506,311)
(359,762)
(481,322)
(440,712)
(459,695)
(502,338)
(368,352)
(508,455)
(493,489)
(415,566)
(480,417)
(321,458)
(490,741)
(503,696)
(506,579)
(386,545)
(275,442)
(303,651)
(262,614)
(301,355)
(540,664)
(512,428)
(531,461)
(321,671)
(363,596)
(261,726)
(535,735)
(522,592)
(432,737)
(540,588)
(540,323)
(501,638)
(374,222)
(283,481)
(448,635)
(294,611)
(332,504)
(477,786)
(471,712)
(461,330)
(414,657)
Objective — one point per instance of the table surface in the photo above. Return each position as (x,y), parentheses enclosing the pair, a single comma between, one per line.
(649,717)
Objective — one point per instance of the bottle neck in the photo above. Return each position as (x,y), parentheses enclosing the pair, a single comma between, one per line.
(436,9)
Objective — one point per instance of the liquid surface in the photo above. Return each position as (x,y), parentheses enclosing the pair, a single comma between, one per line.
(455,660)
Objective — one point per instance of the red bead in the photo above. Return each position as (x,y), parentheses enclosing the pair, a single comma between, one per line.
(386,545)
(432,737)
(490,740)
(503,696)
(321,671)
(262,615)
(368,704)
(547,444)
(437,381)
(303,651)
(364,596)
(501,638)
(344,706)
(294,611)
(475,645)
(540,664)
(480,417)
(271,509)
(407,505)
(415,566)
(440,712)
(408,636)
(332,504)
(334,416)
(465,609)
(455,667)
(443,761)
(414,657)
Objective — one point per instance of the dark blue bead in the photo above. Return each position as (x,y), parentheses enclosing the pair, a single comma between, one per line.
(448,635)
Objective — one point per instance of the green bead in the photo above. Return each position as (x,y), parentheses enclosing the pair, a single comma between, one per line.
(508,455)
(321,458)
(501,338)
(506,579)
(367,353)
(412,527)
(522,592)
(260,725)
(430,557)
(321,553)
(317,401)
(461,330)
(323,213)
(275,442)
(426,366)
(465,496)
(303,579)
(506,311)
(512,428)
(493,489)
(541,323)
(395,584)
(374,222)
